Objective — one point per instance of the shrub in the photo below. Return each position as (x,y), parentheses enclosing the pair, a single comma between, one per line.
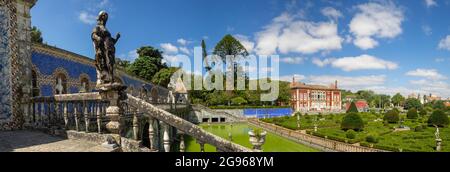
(418,129)
(351,134)
(352,121)
(372,138)
(392,116)
(423,112)
(439,118)
(412,113)
(238,101)
(352,108)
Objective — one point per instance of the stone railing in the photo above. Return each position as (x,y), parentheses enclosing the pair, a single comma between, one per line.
(182,127)
(317,142)
(80,112)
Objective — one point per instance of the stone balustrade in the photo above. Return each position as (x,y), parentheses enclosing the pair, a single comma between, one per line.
(80,112)
(185,127)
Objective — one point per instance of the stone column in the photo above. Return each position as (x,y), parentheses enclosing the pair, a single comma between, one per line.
(135,127)
(114,93)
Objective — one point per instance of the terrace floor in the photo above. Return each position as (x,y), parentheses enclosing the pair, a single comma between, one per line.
(30,141)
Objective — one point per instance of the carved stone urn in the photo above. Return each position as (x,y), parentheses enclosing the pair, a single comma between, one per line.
(257,139)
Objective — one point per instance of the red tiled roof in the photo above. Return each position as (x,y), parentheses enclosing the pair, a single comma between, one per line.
(318,87)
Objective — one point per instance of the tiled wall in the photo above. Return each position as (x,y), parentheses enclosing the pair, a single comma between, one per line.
(5,74)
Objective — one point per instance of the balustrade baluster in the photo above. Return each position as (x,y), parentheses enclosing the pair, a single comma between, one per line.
(41,121)
(75,113)
(99,117)
(182,145)
(166,138)
(66,116)
(202,146)
(36,113)
(135,126)
(151,133)
(86,115)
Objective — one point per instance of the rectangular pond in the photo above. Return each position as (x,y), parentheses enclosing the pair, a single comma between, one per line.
(274,143)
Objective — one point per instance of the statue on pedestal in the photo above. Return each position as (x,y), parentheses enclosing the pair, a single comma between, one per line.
(105,50)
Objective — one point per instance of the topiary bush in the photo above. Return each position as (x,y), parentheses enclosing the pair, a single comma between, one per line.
(423,112)
(372,138)
(412,114)
(392,116)
(418,129)
(352,121)
(351,134)
(438,118)
(352,108)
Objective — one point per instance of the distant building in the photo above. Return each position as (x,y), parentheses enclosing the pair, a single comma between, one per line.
(315,98)
(447,104)
(362,106)
(431,98)
(350,98)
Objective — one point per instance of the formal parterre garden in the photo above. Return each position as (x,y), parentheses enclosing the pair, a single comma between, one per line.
(412,131)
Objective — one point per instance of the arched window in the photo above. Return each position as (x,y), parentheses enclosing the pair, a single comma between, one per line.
(84,87)
(34,84)
(61,84)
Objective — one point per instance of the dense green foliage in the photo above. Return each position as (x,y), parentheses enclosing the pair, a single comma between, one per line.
(352,108)
(148,63)
(413,103)
(238,101)
(36,35)
(398,100)
(439,118)
(164,75)
(423,112)
(392,116)
(352,121)
(412,113)
(351,134)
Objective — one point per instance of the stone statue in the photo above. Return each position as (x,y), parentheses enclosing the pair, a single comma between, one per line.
(59,87)
(105,50)
(437,134)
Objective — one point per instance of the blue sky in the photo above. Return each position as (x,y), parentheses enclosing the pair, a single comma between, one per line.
(383,45)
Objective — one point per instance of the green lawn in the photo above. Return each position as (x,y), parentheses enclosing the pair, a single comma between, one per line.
(274,143)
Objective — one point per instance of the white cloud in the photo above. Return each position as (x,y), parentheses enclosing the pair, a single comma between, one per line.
(430,3)
(87,18)
(185,50)
(245,41)
(444,44)
(376,20)
(169,48)
(292,60)
(432,74)
(427,30)
(322,63)
(331,13)
(363,62)
(183,42)
(439,60)
(288,35)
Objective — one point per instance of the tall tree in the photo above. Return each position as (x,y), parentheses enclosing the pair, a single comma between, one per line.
(205,56)
(148,63)
(413,103)
(36,35)
(398,99)
(164,75)
(229,46)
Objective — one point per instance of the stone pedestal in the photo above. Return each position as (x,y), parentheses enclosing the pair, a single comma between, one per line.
(113,93)
(257,140)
